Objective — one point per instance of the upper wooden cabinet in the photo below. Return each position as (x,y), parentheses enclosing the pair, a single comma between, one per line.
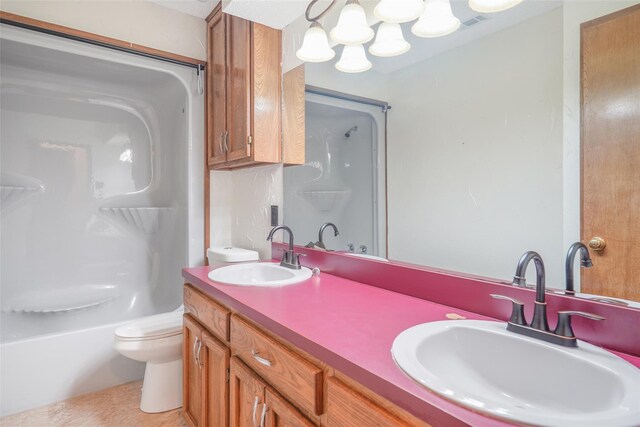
(244,91)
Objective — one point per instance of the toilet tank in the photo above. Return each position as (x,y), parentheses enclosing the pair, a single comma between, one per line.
(229,254)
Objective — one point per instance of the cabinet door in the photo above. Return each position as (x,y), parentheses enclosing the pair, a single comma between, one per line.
(239,109)
(247,396)
(192,408)
(281,414)
(216,90)
(348,408)
(215,357)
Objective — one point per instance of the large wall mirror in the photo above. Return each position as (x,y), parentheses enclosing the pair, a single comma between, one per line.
(465,152)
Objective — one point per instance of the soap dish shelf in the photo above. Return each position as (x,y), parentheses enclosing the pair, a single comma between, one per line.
(12,194)
(60,300)
(146,220)
(325,200)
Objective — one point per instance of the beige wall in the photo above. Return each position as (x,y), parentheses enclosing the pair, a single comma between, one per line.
(139,22)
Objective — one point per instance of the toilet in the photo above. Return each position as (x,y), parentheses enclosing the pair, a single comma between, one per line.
(156,340)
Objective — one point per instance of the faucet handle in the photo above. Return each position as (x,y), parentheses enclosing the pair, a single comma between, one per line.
(517,313)
(564,328)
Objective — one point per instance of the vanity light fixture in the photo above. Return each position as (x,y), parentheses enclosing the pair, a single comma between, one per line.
(353,59)
(398,11)
(490,6)
(352,28)
(315,46)
(389,41)
(437,20)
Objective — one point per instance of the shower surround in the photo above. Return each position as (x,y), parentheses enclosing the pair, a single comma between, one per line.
(98,211)
(343,178)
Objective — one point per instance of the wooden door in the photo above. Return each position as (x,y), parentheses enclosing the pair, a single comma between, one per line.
(281,414)
(216,89)
(246,396)
(610,80)
(192,404)
(215,356)
(239,110)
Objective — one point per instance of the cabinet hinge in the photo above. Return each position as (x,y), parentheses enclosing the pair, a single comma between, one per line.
(228,374)
(249,140)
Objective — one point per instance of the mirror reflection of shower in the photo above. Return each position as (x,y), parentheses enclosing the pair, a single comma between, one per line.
(341,182)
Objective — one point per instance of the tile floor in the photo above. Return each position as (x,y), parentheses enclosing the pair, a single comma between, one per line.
(116,406)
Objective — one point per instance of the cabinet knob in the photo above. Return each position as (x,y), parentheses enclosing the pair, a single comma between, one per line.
(597,244)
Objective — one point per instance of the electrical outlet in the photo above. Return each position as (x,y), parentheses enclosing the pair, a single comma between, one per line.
(274,215)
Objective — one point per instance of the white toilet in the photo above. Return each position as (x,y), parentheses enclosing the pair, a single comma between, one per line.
(156,340)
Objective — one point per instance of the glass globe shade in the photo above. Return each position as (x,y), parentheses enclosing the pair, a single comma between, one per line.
(398,11)
(437,20)
(389,41)
(353,59)
(352,25)
(315,46)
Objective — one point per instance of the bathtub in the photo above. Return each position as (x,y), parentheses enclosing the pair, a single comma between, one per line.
(102,205)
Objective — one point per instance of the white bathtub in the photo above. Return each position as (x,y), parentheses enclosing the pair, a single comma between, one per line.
(41,370)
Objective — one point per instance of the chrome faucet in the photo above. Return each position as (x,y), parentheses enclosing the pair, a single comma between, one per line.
(336,233)
(585,261)
(289,258)
(539,327)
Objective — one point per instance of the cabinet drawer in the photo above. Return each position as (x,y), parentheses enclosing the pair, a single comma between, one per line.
(347,408)
(211,314)
(295,377)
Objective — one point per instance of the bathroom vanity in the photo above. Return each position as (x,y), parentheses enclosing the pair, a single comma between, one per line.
(239,372)
(319,352)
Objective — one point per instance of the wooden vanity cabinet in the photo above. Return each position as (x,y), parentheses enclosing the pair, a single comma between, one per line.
(254,403)
(205,374)
(237,374)
(295,377)
(243,93)
(192,405)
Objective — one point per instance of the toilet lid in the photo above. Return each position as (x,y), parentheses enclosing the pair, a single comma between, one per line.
(152,327)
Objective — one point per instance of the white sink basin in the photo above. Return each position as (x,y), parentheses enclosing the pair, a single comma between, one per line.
(259,274)
(481,365)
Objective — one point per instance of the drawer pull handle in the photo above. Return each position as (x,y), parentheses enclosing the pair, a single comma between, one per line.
(261,360)
(199,349)
(255,406)
(264,414)
(195,354)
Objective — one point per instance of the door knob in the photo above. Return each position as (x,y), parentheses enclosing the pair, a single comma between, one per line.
(597,244)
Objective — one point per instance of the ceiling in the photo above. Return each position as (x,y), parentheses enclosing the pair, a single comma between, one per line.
(422,48)
(199,8)
(274,13)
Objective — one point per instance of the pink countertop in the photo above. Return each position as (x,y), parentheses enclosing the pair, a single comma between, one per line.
(350,326)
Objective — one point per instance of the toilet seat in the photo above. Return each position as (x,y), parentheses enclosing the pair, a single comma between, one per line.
(151,328)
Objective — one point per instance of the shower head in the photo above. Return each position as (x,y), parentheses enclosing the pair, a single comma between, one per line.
(348,133)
